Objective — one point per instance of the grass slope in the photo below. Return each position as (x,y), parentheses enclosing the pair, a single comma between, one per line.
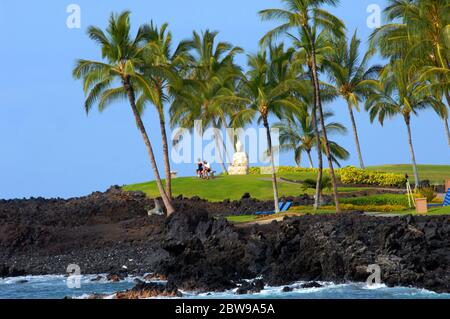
(260,186)
(231,187)
(252,218)
(434,173)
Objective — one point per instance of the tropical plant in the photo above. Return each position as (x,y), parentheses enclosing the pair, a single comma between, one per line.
(436,93)
(400,93)
(267,90)
(351,175)
(303,57)
(351,77)
(419,32)
(215,74)
(162,69)
(311,184)
(297,134)
(309,19)
(123,57)
(428,193)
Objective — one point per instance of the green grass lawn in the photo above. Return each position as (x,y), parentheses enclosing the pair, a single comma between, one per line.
(309,210)
(260,186)
(383,199)
(231,187)
(435,211)
(293,212)
(434,173)
(241,219)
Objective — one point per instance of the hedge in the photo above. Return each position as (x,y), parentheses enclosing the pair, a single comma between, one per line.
(352,175)
(349,175)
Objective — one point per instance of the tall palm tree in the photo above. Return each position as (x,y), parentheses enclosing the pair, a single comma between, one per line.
(162,68)
(122,58)
(308,18)
(297,134)
(436,93)
(418,31)
(267,90)
(400,93)
(351,77)
(215,75)
(303,57)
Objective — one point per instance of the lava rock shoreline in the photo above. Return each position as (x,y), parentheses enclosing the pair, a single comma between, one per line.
(196,249)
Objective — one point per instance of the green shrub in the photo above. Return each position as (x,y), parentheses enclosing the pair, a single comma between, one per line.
(370,208)
(283,170)
(348,175)
(254,171)
(352,175)
(428,193)
(385,199)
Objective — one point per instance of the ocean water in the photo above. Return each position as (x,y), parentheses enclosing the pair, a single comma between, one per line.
(55,287)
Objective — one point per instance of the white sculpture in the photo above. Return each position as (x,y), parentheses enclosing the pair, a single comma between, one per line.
(240,161)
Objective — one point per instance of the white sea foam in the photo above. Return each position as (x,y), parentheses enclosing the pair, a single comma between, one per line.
(55,287)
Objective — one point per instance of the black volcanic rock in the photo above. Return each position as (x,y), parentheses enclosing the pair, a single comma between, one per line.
(250,287)
(197,249)
(312,284)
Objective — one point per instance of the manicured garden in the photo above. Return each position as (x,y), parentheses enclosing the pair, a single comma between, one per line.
(230,187)
(433,173)
(259,186)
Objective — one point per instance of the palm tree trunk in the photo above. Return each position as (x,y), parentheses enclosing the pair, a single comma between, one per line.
(227,153)
(298,160)
(311,163)
(274,175)
(447,96)
(165,147)
(447,130)
(324,130)
(140,125)
(318,194)
(411,150)
(355,135)
(219,151)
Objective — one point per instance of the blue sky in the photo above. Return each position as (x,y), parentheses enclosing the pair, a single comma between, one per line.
(50,148)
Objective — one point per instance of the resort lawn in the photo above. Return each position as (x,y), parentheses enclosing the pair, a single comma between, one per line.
(241,219)
(304,210)
(292,213)
(229,187)
(435,211)
(433,173)
(260,186)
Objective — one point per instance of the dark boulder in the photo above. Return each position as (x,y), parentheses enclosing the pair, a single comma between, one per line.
(252,287)
(144,290)
(312,284)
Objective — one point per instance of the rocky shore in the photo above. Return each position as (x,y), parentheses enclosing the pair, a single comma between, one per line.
(196,249)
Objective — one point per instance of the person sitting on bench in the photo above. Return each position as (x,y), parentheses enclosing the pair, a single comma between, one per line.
(206,169)
(199,168)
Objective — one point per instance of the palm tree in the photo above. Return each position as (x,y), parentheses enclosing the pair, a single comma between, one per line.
(311,184)
(308,18)
(351,77)
(267,90)
(436,93)
(162,68)
(215,75)
(400,93)
(297,134)
(122,57)
(303,56)
(419,33)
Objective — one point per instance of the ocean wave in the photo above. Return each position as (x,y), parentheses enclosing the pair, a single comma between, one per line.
(55,287)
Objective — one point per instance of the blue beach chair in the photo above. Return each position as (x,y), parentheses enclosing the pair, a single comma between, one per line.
(284,207)
(445,203)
